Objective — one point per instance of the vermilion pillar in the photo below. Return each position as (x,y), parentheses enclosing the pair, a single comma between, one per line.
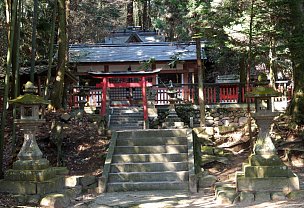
(104,96)
(144,94)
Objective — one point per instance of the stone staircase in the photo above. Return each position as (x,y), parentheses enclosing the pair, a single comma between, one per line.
(123,118)
(151,159)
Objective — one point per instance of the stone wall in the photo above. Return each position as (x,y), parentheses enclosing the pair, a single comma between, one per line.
(215,117)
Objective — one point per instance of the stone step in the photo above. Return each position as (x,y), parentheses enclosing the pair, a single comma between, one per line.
(147,186)
(124,127)
(119,113)
(149,176)
(126,123)
(150,149)
(121,121)
(127,110)
(151,141)
(121,118)
(148,167)
(165,157)
(153,133)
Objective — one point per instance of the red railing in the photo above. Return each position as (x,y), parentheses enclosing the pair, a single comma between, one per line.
(213,94)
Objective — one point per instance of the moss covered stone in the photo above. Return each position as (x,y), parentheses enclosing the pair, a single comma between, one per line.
(263,91)
(29,99)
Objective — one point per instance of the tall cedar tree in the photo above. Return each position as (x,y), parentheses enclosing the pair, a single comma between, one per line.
(57,93)
(296,44)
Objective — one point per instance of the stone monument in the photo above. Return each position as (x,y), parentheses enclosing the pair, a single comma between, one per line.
(265,175)
(172,120)
(31,174)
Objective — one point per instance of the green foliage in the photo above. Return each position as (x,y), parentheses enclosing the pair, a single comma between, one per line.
(147,65)
(262,77)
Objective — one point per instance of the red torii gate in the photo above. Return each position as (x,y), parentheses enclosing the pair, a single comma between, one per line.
(105,84)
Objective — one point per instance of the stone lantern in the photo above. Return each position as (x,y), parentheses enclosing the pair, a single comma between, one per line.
(83,93)
(29,120)
(172,93)
(265,173)
(31,174)
(172,120)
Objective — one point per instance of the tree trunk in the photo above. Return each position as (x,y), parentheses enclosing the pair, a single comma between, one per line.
(15,70)
(130,21)
(57,94)
(145,15)
(33,55)
(200,74)
(51,51)
(272,70)
(296,45)
(6,84)
(249,66)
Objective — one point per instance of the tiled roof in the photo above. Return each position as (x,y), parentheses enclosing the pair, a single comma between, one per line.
(131,52)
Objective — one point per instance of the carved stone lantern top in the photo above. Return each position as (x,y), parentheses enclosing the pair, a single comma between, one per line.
(29,103)
(172,92)
(263,102)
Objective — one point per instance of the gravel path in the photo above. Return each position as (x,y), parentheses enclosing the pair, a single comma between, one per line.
(170,199)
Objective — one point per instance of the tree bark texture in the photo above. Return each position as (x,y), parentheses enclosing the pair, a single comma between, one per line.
(57,94)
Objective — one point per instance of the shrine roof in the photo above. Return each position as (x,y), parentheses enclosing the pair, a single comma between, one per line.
(105,53)
(125,73)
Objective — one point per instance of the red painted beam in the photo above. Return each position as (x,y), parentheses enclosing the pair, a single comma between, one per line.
(144,97)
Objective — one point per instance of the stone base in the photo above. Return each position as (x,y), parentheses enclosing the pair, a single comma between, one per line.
(30,175)
(31,164)
(266,171)
(175,125)
(270,184)
(32,188)
(265,160)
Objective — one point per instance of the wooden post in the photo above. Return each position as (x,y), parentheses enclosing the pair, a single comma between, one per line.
(144,95)
(104,96)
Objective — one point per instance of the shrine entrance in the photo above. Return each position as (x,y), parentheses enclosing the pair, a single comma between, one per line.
(125,88)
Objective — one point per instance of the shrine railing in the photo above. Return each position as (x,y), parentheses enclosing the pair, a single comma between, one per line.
(214,93)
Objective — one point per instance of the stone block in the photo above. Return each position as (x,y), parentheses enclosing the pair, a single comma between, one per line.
(29,175)
(73,192)
(193,183)
(33,199)
(17,187)
(61,170)
(246,197)
(296,195)
(271,184)
(278,196)
(265,160)
(266,171)
(262,197)
(207,181)
(53,185)
(224,184)
(27,199)
(225,195)
(55,201)
(86,181)
(31,164)
(244,165)
(71,181)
